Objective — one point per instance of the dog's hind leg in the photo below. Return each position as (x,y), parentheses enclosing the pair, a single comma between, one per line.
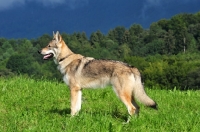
(123,90)
(136,106)
(126,98)
(75,101)
(131,105)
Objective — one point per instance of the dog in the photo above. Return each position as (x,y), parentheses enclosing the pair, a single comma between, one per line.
(86,72)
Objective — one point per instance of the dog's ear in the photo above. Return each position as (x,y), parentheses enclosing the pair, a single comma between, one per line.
(57,33)
(57,36)
(53,33)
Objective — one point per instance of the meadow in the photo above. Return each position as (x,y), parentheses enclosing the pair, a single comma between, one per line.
(41,105)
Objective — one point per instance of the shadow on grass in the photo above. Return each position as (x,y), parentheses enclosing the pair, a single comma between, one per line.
(115,114)
(118,115)
(61,111)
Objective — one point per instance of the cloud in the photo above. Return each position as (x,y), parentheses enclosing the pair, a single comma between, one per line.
(149,4)
(155,4)
(6,4)
(77,3)
(72,4)
(49,2)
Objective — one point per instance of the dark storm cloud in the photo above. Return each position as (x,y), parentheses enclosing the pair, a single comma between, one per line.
(72,4)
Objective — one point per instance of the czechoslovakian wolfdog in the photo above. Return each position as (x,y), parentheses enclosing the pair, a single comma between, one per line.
(86,72)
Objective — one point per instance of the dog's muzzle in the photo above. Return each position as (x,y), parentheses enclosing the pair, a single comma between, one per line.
(46,56)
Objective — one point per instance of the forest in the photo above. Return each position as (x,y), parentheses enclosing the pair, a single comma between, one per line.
(167,54)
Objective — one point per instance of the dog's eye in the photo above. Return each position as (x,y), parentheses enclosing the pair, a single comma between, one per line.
(49,46)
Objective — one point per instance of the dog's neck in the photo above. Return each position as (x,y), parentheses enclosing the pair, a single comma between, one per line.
(64,57)
(65,52)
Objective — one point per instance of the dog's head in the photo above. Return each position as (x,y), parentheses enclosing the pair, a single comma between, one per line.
(52,49)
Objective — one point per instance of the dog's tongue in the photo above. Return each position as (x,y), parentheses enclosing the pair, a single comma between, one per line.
(46,56)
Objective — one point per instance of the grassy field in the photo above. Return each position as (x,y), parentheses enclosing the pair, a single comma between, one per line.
(30,105)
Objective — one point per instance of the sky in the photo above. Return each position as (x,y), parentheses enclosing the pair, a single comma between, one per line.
(33,18)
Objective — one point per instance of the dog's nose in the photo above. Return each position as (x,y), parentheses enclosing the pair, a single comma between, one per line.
(39,51)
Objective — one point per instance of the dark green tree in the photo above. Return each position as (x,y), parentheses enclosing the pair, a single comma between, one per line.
(21,64)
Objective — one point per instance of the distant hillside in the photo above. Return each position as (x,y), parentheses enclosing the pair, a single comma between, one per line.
(167,53)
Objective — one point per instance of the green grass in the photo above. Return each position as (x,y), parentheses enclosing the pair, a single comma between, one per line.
(30,105)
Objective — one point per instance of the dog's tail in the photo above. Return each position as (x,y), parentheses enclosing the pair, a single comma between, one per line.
(139,92)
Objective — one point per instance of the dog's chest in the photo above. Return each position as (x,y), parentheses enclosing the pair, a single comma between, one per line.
(66,79)
(61,69)
(65,75)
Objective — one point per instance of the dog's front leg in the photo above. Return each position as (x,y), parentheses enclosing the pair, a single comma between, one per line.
(75,100)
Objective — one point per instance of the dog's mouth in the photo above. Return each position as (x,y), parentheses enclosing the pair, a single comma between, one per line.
(47,56)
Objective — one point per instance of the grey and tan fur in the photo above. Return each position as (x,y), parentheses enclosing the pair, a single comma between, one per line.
(85,72)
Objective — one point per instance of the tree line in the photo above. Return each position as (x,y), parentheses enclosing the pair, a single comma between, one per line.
(167,54)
